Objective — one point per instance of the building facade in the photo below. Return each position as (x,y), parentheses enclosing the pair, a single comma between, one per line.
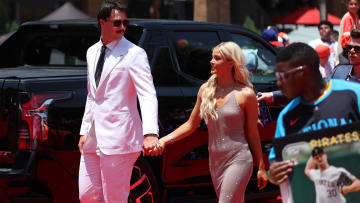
(225,11)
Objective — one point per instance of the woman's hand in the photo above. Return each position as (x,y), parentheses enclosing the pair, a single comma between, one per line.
(262,179)
(161,145)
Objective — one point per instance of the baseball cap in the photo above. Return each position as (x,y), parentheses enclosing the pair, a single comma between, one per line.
(323,50)
(276,43)
(316,151)
(270,35)
(283,36)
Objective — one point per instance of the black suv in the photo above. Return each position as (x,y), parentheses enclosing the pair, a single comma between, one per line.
(42,98)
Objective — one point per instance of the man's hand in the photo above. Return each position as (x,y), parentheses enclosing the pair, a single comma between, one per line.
(344,190)
(266,96)
(280,171)
(81,143)
(150,145)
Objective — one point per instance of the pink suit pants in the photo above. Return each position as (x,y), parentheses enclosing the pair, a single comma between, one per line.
(105,178)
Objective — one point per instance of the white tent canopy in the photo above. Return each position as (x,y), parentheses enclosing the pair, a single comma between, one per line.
(66,12)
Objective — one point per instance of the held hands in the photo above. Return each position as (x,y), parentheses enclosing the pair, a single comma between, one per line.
(280,171)
(153,146)
(262,179)
(150,145)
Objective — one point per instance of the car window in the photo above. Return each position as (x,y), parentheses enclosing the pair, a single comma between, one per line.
(57,45)
(65,50)
(133,34)
(162,68)
(68,50)
(259,59)
(153,40)
(193,50)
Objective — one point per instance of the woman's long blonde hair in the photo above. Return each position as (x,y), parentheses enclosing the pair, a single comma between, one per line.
(229,51)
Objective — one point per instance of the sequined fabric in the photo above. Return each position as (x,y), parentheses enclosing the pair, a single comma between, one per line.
(230,161)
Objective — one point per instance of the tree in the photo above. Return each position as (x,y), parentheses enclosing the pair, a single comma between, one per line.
(249,24)
(6,24)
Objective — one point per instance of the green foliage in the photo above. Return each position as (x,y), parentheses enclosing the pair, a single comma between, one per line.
(249,24)
(10,26)
(2,22)
(6,25)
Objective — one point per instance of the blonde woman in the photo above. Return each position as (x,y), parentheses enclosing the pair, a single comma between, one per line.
(228,104)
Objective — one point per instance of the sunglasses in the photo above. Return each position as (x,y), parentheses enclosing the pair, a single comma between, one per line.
(283,75)
(118,23)
(350,47)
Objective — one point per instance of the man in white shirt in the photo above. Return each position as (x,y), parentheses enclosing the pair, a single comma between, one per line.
(112,132)
(331,183)
(325,30)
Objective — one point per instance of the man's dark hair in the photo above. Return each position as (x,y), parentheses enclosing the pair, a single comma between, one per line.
(325,22)
(347,1)
(317,151)
(107,6)
(299,54)
(355,34)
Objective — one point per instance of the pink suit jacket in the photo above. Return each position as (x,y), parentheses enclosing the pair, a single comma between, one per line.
(112,107)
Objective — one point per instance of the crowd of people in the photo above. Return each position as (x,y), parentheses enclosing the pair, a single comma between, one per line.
(313,80)
(113,135)
(336,40)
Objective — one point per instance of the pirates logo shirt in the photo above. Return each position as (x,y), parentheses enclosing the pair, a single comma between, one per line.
(326,187)
(338,106)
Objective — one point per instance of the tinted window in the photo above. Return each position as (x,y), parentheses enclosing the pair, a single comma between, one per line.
(133,34)
(153,40)
(259,59)
(54,45)
(54,50)
(193,51)
(162,68)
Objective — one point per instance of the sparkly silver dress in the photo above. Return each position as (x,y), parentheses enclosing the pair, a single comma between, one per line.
(231,162)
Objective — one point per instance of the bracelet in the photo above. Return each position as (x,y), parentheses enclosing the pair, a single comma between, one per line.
(171,138)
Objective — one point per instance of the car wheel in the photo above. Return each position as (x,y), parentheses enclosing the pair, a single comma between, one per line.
(143,184)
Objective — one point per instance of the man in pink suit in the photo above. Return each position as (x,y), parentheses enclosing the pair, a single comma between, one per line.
(112,133)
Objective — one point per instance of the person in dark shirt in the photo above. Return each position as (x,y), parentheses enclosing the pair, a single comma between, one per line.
(314,101)
(350,72)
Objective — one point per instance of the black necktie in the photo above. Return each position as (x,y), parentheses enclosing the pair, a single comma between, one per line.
(99,65)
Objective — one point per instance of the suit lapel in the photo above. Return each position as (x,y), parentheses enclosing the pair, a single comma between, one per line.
(117,54)
(94,57)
